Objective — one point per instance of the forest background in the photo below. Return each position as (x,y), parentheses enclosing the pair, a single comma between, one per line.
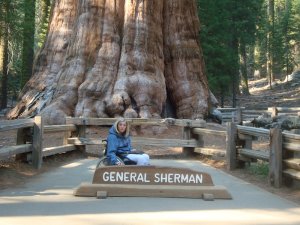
(241,41)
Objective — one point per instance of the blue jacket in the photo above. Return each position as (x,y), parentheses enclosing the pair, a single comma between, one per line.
(117,144)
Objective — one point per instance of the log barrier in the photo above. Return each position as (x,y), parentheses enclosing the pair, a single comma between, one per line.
(283,156)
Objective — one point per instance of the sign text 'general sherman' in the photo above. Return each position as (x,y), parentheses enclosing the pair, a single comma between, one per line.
(150,175)
(133,177)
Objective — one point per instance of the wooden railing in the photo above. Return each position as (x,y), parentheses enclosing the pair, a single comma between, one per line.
(21,146)
(31,133)
(291,155)
(29,140)
(209,150)
(241,114)
(283,154)
(187,140)
(275,111)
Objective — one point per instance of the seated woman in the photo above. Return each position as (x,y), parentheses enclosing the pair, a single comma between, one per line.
(119,143)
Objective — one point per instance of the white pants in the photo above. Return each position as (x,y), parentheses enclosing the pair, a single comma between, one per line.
(140,159)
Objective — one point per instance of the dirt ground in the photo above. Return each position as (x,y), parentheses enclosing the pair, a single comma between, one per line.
(15,173)
(283,94)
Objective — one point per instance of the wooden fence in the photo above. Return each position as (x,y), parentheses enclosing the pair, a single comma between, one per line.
(29,140)
(241,114)
(31,133)
(283,155)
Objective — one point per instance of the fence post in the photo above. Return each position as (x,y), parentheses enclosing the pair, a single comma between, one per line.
(239,116)
(187,135)
(231,137)
(274,112)
(37,142)
(233,115)
(67,134)
(81,129)
(275,161)
(23,136)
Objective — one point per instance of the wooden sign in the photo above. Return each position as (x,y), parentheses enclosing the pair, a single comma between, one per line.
(150,175)
(151,181)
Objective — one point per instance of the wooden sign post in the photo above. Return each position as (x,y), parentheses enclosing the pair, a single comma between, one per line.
(151,181)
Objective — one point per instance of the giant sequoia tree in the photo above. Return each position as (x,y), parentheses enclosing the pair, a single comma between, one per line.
(106,58)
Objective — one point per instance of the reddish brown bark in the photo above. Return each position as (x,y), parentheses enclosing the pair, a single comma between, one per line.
(118,58)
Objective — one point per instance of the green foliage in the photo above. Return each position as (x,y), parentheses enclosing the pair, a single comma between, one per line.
(28,28)
(260,56)
(224,26)
(260,168)
(285,37)
(14,18)
(11,21)
(232,27)
(42,21)
(17,25)
(216,38)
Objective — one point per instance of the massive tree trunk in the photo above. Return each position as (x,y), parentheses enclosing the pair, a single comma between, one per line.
(108,58)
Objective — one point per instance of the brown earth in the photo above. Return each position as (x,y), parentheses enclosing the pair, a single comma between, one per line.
(18,173)
(15,173)
(282,94)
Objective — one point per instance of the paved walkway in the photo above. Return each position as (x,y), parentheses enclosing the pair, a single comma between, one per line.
(48,199)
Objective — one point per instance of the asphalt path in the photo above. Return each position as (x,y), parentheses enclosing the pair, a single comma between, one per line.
(49,199)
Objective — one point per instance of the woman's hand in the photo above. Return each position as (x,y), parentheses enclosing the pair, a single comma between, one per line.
(118,163)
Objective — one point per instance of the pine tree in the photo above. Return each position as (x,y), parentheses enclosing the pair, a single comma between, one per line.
(5,9)
(11,17)
(245,20)
(217,37)
(28,40)
(42,21)
(228,31)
